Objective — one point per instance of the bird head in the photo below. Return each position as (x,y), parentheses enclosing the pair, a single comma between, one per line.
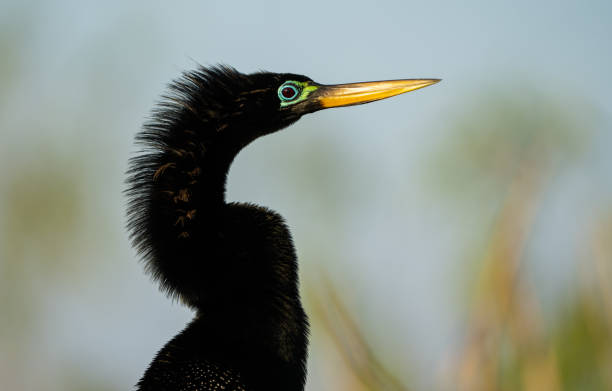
(247,106)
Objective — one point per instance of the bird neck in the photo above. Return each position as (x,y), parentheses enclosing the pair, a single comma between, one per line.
(187,212)
(234,263)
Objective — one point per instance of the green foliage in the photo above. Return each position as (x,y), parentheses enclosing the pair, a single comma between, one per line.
(583,343)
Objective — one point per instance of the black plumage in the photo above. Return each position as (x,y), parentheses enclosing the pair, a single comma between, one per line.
(233,263)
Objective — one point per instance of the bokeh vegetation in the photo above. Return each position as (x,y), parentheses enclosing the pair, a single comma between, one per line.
(506,152)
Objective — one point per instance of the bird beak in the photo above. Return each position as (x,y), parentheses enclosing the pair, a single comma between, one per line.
(360,93)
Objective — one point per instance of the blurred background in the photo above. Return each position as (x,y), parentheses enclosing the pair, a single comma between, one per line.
(454,238)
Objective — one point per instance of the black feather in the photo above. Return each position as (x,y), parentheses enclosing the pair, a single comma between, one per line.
(235,264)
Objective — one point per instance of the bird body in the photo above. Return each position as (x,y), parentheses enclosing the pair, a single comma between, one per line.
(233,263)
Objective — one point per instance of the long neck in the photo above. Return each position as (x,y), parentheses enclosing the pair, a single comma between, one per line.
(234,263)
(178,214)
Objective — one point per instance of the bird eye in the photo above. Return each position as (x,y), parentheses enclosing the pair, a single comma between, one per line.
(287,92)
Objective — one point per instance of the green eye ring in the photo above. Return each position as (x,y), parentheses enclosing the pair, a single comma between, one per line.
(288,92)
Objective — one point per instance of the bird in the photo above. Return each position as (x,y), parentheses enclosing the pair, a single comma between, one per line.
(234,264)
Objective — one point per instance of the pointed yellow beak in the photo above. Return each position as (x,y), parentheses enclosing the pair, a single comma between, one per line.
(359,93)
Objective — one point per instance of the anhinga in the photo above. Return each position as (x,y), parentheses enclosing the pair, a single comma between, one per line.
(233,263)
